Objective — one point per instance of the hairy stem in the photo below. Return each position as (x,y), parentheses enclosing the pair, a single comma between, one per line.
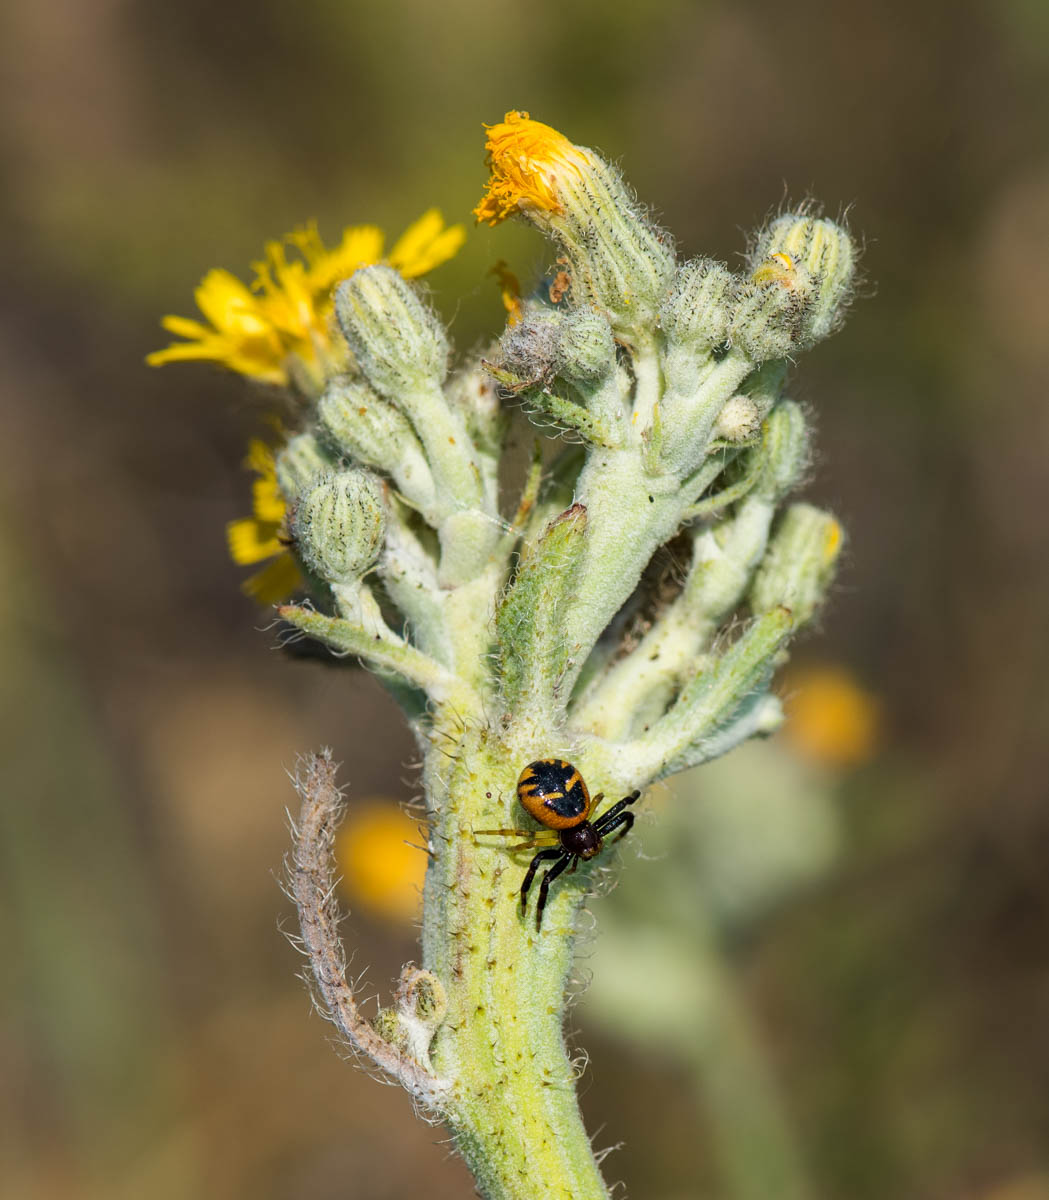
(511,1104)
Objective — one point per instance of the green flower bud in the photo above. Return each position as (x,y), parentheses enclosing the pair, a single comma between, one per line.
(396,339)
(814,258)
(586,351)
(699,308)
(799,564)
(300,462)
(738,421)
(369,429)
(786,449)
(473,393)
(767,320)
(574,344)
(338,526)
(529,349)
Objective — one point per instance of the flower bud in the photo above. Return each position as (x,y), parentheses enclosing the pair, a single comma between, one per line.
(799,564)
(616,260)
(575,344)
(586,351)
(338,525)
(816,260)
(369,429)
(299,463)
(766,323)
(786,449)
(698,310)
(738,421)
(396,339)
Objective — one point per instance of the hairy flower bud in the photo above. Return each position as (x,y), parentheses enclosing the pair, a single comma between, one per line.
(586,350)
(575,344)
(338,525)
(299,463)
(799,563)
(766,323)
(813,258)
(738,421)
(699,307)
(395,337)
(615,259)
(786,449)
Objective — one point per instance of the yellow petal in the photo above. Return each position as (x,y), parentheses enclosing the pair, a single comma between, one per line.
(307,241)
(361,246)
(426,244)
(275,582)
(260,458)
(417,236)
(184,327)
(252,541)
(228,304)
(267,501)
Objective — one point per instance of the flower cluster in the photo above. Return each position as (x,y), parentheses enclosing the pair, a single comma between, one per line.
(547,630)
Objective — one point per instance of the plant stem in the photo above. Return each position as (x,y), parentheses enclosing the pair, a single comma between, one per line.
(512,1103)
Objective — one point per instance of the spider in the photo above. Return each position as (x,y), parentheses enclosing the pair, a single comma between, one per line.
(553,791)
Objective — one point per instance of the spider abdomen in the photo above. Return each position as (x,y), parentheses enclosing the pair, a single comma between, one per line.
(553,792)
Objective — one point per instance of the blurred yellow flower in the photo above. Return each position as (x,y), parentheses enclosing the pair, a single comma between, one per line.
(260,537)
(830,718)
(529,162)
(382,864)
(278,331)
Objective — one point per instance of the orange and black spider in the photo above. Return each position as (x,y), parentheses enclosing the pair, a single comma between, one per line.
(554,792)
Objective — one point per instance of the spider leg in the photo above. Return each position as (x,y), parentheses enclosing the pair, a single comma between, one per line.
(594,802)
(542,837)
(609,820)
(544,887)
(626,820)
(533,866)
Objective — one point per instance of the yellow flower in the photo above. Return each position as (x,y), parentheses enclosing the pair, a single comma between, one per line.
(830,718)
(279,330)
(382,865)
(260,537)
(530,164)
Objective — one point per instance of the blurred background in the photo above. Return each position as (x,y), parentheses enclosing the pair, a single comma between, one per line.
(847,928)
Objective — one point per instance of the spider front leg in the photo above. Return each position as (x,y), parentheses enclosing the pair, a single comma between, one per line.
(533,866)
(615,816)
(624,819)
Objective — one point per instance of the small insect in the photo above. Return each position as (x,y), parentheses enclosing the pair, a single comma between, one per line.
(554,792)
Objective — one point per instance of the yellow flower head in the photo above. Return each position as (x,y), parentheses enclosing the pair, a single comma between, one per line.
(530,163)
(381,862)
(279,330)
(830,718)
(260,537)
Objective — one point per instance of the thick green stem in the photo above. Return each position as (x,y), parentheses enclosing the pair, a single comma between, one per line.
(511,1101)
